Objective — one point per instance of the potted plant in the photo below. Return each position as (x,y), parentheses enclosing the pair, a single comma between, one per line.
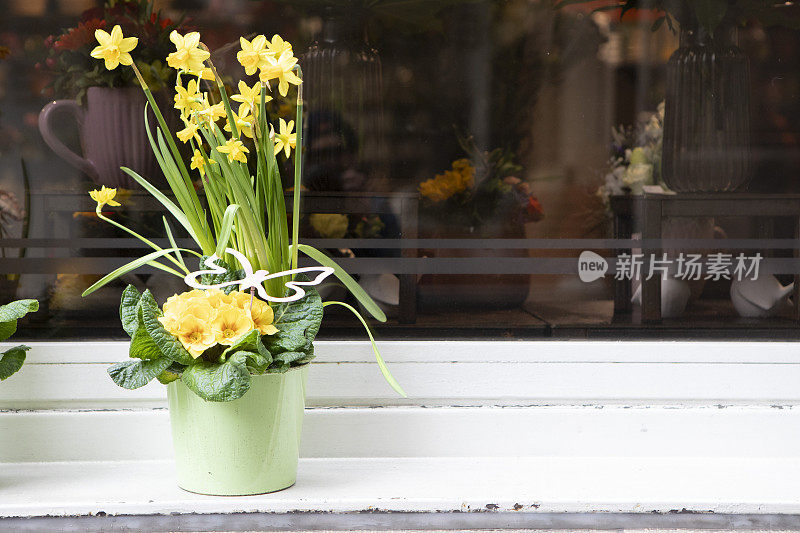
(481,197)
(234,361)
(12,359)
(107,104)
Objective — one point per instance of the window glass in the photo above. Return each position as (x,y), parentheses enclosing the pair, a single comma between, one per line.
(501,169)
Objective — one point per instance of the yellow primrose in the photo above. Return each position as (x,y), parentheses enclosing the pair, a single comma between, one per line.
(249,97)
(285,140)
(104,196)
(188,132)
(187,56)
(280,69)
(218,298)
(195,335)
(244,122)
(252,54)
(235,149)
(262,316)
(189,99)
(230,324)
(278,46)
(114,48)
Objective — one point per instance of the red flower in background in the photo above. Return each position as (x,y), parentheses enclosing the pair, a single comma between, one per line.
(534,209)
(79,36)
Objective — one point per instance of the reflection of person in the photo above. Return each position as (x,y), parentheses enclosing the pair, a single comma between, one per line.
(332,154)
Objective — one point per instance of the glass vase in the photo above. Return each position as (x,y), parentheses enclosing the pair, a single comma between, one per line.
(707,117)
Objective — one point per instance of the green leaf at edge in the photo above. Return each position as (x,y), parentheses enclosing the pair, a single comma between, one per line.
(12,360)
(136,373)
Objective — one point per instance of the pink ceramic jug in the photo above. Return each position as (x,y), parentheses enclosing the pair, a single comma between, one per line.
(112,135)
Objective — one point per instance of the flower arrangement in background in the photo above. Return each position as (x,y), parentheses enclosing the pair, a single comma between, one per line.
(74,70)
(636,158)
(478,189)
(214,340)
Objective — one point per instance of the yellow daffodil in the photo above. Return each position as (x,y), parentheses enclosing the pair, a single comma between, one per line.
(189,99)
(208,114)
(104,196)
(230,324)
(262,316)
(114,48)
(244,122)
(285,140)
(278,46)
(187,56)
(207,74)
(281,69)
(252,54)
(235,149)
(249,97)
(199,163)
(188,132)
(195,335)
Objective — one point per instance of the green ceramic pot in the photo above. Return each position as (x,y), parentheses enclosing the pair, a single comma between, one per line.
(247,446)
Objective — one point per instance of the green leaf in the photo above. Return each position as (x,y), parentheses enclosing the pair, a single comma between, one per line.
(351,284)
(10,313)
(136,373)
(142,344)
(167,377)
(11,361)
(254,350)
(133,265)
(215,279)
(381,363)
(169,345)
(298,323)
(127,309)
(226,229)
(218,382)
(295,357)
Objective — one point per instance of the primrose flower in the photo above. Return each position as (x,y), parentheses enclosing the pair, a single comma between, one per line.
(104,196)
(262,316)
(285,140)
(280,69)
(188,56)
(249,97)
(230,324)
(114,48)
(252,54)
(189,99)
(235,149)
(188,132)
(195,334)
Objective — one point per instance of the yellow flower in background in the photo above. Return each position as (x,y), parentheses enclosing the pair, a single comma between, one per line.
(104,196)
(187,56)
(244,122)
(281,69)
(285,140)
(329,226)
(451,182)
(199,163)
(189,99)
(252,53)
(278,46)
(235,149)
(262,316)
(230,324)
(195,335)
(114,48)
(188,132)
(249,97)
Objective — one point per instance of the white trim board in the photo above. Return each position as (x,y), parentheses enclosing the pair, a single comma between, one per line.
(557,432)
(72,375)
(439,485)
